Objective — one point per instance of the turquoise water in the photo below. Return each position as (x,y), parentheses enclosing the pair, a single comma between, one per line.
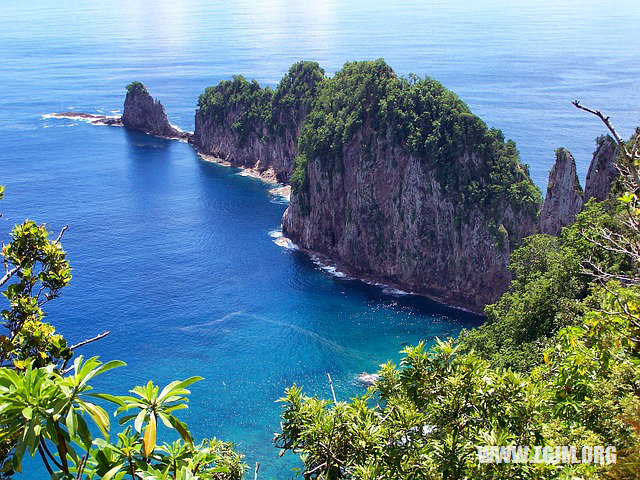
(175,255)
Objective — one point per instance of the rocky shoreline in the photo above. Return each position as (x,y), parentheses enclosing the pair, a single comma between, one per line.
(376,209)
(344,271)
(94,119)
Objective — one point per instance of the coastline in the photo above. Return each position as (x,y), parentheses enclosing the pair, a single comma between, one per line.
(340,270)
(115,121)
(268,176)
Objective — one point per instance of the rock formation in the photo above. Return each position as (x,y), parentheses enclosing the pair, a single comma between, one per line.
(392,179)
(602,170)
(142,113)
(564,195)
(248,126)
(423,197)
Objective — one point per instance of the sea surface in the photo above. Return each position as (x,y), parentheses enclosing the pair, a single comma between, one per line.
(176,256)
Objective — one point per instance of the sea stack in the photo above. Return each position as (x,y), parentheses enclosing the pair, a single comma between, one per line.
(564,197)
(603,170)
(143,113)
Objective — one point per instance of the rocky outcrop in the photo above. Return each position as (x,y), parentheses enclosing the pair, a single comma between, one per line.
(142,113)
(564,195)
(92,118)
(602,170)
(396,225)
(394,180)
(248,126)
(440,221)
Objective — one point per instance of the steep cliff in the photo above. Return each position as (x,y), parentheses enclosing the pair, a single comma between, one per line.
(602,170)
(564,195)
(396,180)
(142,113)
(240,122)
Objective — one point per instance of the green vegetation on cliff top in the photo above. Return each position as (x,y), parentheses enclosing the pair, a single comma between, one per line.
(422,118)
(262,111)
(136,87)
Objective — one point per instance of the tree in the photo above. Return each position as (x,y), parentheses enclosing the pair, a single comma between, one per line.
(568,332)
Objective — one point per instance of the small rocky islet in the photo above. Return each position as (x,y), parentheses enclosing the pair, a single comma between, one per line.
(393,179)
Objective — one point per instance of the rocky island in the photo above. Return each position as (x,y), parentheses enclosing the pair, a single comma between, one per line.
(393,179)
(248,126)
(141,112)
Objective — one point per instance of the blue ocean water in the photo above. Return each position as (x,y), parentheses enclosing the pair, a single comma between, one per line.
(175,256)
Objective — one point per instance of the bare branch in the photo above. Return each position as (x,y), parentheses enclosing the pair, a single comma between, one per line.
(629,156)
(90,340)
(64,229)
(605,120)
(10,273)
(315,469)
(255,473)
(333,392)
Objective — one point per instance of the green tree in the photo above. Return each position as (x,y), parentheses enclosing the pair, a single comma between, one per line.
(558,363)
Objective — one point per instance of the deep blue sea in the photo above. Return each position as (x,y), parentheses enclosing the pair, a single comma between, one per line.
(175,256)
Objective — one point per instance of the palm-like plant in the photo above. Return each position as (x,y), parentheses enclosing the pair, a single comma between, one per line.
(154,404)
(39,405)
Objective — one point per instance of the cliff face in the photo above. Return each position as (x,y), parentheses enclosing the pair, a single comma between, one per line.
(565,199)
(564,195)
(435,212)
(393,179)
(248,126)
(142,113)
(602,170)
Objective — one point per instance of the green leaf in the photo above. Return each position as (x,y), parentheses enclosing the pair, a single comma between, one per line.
(140,419)
(83,432)
(98,415)
(70,422)
(109,398)
(181,428)
(110,474)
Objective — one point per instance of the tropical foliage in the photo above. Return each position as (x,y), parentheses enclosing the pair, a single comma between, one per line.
(252,109)
(50,410)
(136,87)
(558,363)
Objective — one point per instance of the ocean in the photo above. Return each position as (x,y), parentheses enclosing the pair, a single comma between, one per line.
(177,256)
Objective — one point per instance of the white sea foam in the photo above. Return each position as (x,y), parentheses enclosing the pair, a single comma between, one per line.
(281,194)
(328,268)
(367,379)
(282,241)
(396,292)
